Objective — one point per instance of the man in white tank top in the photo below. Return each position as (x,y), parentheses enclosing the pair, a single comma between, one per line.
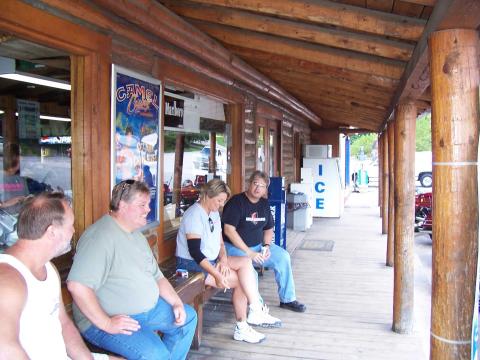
(34,322)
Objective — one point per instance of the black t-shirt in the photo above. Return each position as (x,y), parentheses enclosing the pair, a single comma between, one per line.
(249,219)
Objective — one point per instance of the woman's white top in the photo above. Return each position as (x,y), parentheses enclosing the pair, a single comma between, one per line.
(196,221)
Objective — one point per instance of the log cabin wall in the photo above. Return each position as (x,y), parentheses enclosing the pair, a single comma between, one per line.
(328,137)
(287,127)
(250,139)
(288,152)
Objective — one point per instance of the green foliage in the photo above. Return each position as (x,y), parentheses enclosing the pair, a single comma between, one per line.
(365,141)
(193,142)
(424,133)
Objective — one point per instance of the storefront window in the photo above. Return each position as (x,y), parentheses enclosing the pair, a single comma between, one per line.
(194,126)
(35,128)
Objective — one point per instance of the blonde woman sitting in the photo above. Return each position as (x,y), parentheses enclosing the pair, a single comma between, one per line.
(200,248)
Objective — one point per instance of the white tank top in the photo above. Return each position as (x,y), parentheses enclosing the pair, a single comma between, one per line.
(40,328)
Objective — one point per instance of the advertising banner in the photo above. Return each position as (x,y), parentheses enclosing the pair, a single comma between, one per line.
(136,132)
(28,119)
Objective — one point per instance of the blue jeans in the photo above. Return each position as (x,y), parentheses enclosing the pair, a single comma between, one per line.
(145,343)
(191,265)
(279,261)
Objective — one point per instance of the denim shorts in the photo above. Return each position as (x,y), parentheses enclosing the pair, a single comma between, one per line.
(191,265)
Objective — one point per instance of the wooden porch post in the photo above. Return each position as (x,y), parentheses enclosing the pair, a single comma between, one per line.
(212,158)
(454,67)
(405,116)
(384,181)
(380,139)
(177,177)
(390,134)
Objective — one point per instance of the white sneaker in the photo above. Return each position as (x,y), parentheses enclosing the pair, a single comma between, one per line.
(261,317)
(247,334)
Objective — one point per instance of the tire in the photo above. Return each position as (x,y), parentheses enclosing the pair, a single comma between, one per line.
(426,180)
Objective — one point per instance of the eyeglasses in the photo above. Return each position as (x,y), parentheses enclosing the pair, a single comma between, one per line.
(212,226)
(126,184)
(259,185)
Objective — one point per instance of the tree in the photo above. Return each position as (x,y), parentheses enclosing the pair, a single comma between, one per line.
(362,141)
(423,138)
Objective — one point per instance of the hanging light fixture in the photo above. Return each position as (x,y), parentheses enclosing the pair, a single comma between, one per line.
(8,71)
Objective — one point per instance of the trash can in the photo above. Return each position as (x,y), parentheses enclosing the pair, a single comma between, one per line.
(277,198)
(297,205)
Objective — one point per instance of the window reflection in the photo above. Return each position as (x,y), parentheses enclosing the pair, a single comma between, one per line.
(35,129)
(186,168)
(194,152)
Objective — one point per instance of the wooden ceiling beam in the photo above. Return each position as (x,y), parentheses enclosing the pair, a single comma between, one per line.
(301,50)
(430,3)
(260,58)
(331,13)
(348,131)
(312,82)
(346,119)
(309,92)
(369,115)
(195,48)
(346,105)
(368,44)
(447,14)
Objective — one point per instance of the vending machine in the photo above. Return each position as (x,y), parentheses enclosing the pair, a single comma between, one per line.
(327,187)
(277,200)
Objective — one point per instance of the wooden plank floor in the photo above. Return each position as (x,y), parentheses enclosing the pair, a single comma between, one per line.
(348,292)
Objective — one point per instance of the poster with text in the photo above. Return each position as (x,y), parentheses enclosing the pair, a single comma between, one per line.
(136,111)
(28,119)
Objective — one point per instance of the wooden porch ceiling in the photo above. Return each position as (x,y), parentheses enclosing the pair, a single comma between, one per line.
(343,59)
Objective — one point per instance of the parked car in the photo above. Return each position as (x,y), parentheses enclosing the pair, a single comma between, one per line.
(423,213)
(189,193)
(202,160)
(425,178)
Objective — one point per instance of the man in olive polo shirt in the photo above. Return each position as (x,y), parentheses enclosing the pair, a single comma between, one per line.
(121,297)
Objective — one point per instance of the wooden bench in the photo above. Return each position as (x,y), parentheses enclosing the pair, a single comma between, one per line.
(191,291)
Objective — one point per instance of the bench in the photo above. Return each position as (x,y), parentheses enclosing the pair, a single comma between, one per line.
(191,291)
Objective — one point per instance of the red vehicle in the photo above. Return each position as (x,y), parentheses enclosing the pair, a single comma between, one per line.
(188,193)
(423,213)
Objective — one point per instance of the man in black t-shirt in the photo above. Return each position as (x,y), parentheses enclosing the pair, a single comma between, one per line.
(247,225)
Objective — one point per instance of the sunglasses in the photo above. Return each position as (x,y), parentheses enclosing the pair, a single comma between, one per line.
(212,226)
(126,184)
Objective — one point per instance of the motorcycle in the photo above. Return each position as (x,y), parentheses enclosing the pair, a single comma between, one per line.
(423,213)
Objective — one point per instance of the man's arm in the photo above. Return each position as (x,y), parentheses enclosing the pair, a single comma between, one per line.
(87,302)
(76,348)
(268,237)
(168,293)
(12,302)
(238,242)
